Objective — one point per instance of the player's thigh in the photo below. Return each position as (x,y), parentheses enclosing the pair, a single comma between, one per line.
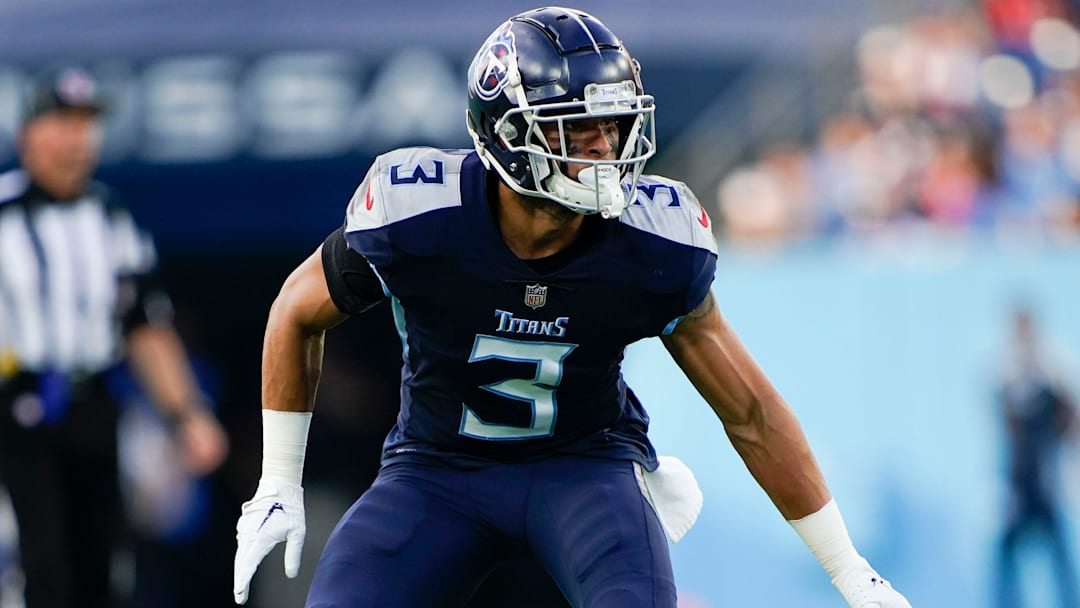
(600,539)
(410,540)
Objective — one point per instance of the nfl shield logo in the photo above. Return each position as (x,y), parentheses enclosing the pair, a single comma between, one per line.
(535,295)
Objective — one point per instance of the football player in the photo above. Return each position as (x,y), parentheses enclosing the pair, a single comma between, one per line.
(518,273)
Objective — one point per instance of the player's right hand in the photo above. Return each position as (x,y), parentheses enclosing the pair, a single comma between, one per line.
(273,515)
(863,587)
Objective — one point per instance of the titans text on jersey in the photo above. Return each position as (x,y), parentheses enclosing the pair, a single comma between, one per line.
(517,325)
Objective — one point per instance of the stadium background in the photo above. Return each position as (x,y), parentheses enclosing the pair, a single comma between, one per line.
(869,263)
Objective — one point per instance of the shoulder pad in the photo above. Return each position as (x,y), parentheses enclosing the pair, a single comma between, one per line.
(405,183)
(669,209)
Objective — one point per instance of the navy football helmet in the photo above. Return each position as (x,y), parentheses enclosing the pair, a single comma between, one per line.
(551,66)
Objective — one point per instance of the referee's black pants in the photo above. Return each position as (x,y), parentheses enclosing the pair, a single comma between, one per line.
(62,477)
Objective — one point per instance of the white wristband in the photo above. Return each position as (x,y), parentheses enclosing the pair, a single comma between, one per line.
(827,536)
(284,444)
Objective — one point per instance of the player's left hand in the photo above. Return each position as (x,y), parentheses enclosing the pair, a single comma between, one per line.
(863,587)
(275,514)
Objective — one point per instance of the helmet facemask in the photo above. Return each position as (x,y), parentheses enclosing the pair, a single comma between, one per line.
(599,187)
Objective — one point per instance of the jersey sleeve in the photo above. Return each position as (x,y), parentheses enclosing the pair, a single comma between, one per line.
(354,286)
(396,208)
(142,298)
(704,242)
(679,245)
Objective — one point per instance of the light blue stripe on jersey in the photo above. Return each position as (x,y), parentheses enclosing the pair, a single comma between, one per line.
(671,326)
(399,322)
(385,289)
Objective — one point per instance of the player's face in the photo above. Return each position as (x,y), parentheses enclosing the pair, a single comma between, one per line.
(589,138)
(60,150)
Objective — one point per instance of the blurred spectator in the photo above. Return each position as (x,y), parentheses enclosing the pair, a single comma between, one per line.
(1039,194)
(1038,412)
(774,201)
(941,132)
(78,285)
(953,188)
(754,207)
(865,175)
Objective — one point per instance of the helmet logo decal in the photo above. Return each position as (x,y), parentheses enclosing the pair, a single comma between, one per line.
(491,65)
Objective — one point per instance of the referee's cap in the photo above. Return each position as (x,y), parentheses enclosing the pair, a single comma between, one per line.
(65,87)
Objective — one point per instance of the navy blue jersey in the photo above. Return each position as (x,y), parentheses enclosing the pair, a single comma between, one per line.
(507,360)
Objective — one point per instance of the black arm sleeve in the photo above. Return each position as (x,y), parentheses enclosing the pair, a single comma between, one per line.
(141,295)
(142,300)
(354,287)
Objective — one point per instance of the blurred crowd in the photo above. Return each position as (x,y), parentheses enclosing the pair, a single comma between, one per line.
(960,123)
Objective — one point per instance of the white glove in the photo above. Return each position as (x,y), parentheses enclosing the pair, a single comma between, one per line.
(862,587)
(273,515)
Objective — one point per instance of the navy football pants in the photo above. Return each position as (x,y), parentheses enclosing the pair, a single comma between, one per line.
(425,536)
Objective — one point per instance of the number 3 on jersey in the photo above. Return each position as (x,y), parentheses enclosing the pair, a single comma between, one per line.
(538,392)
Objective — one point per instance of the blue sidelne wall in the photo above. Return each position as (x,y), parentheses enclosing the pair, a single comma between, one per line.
(888,358)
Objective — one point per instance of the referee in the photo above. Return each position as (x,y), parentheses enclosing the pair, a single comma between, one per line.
(78,294)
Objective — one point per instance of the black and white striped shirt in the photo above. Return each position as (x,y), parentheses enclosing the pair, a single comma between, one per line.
(74,276)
